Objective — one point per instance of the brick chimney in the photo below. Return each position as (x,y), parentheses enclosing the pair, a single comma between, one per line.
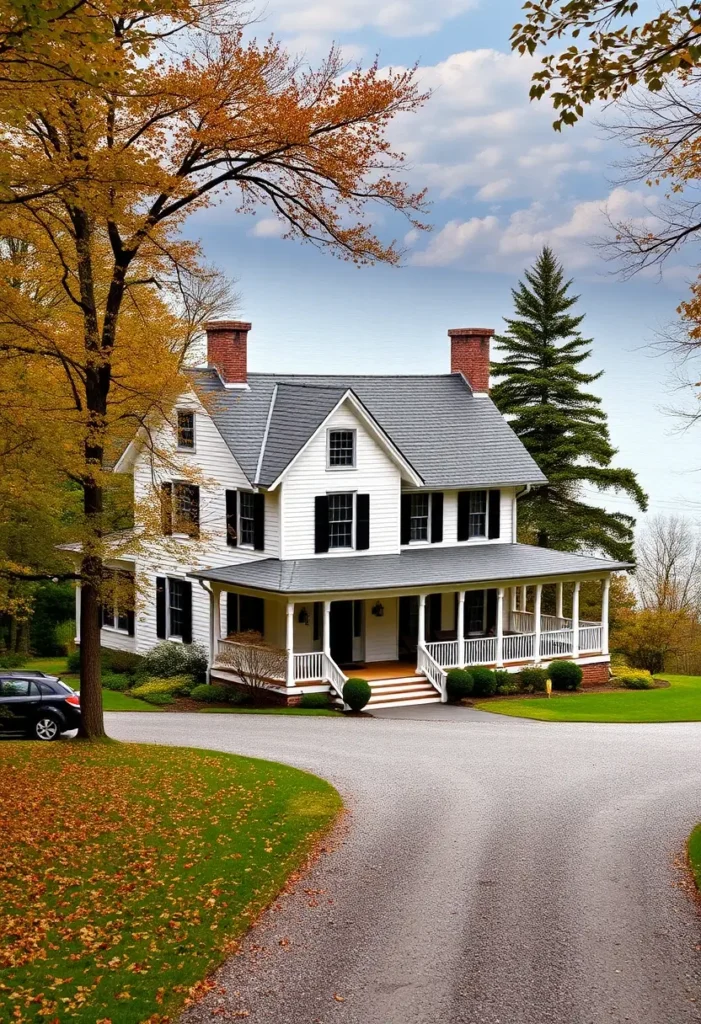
(469,355)
(227,343)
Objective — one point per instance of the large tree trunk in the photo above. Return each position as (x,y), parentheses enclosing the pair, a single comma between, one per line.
(92,722)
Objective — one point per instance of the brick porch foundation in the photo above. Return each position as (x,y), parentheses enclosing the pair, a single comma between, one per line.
(595,675)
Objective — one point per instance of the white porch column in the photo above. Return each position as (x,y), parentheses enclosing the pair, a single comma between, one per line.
(575,621)
(326,631)
(422,619)
(461,629)
(536,619)
(214,623)
(289,642)
(500,627)
(558,600)
(524,598)
(605,615)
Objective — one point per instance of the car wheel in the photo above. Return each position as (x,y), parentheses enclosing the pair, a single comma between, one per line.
(46,728)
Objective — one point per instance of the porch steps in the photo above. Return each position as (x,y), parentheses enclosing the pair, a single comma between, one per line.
(409,690)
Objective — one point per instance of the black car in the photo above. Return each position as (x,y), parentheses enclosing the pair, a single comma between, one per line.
(38,705)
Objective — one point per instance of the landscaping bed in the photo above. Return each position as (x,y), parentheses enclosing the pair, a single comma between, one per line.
(129,871)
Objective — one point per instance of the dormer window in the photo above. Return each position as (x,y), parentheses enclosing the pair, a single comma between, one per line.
(186,429)
(341,449)
(419,518)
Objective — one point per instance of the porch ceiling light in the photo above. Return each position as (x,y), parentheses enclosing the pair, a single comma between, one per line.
(378,609)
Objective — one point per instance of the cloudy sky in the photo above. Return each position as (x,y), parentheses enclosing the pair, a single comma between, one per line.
(501,183)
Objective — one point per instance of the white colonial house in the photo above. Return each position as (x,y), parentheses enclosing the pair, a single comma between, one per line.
(366,525)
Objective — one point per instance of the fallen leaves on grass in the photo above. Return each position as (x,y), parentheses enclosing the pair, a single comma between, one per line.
(127,871)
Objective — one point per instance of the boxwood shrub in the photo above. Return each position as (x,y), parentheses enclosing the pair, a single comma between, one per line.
(178,686)
(214,693)
(158,699)
(565,675)
(73,661)
(166,660)
(459,684)
(112,681)
(507,683)
(121,662)
(314,700)
(533,679)
(635,679)
(484,681)
(356,694)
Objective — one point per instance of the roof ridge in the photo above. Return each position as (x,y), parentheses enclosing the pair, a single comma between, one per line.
(266,431)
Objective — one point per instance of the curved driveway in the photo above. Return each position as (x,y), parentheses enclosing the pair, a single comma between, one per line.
(491,871)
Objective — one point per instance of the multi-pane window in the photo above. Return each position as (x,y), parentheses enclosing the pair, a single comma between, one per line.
(186,509)
(341,448)
(114,616)
(340,521)
(246,518)
(186,429)
(176,607)
(419,517)
(478,514)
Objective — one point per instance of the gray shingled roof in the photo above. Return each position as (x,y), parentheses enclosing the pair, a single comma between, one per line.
(451,438)
(433,566)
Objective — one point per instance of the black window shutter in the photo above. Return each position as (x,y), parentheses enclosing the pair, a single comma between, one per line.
(194,511)
(362,529)
(437,517)
(405,530)
(463,515)
(259,522)
(167,509)
(231,523)
(130,621)
(491,611)
(187,611)
(160,607)
(321,523)
(232,613)
(494,526)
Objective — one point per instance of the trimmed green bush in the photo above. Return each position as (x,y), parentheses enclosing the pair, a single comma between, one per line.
(533,679)
(178,686)
(635,679)
(565,675)
(356,694)
(73,661)
(459,684)
(214,693)
(166,660)
(12,660)
(314,700)
(158,699)
(507,683)
(121,662)
(112,681)
(484,681)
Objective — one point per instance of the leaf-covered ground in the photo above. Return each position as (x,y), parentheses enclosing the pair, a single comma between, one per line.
(128,870)
(679,702)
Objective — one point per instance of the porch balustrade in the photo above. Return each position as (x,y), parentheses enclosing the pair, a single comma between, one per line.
(481,650)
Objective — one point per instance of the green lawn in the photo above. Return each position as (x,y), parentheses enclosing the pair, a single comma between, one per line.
(695,854)
(680,702)
(127,871)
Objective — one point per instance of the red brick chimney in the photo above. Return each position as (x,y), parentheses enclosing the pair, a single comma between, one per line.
(469,355)
(227,343)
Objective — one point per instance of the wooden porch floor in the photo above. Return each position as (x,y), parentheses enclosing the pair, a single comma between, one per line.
(381,670)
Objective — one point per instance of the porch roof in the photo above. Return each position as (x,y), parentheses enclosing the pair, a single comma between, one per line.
(430,566)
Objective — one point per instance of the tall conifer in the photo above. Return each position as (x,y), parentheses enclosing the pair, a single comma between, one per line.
(542,390)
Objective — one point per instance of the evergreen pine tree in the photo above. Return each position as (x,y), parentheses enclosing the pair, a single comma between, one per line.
(541,389)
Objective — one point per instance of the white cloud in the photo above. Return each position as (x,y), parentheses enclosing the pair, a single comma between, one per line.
(267,227)
(489,243)
(328,18)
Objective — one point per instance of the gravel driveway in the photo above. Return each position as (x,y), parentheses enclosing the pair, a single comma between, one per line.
(491,871)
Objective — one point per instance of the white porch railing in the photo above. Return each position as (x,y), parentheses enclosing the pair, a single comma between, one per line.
(308,667)
(524,622)
(228,656)
(519,647)
(445,652)
(555,643)
(427,664)
(591,638)
(332,672)
(480,650)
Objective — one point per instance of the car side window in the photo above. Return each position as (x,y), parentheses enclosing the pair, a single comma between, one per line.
(16,688)
(45,688)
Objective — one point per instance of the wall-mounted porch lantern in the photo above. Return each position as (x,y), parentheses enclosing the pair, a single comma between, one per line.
(378,609)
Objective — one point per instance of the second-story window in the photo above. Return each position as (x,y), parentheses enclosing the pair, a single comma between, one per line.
(186,429)
(340,520)
(180,509)
(341,448)
(419,517)
(247,526)
(478,514)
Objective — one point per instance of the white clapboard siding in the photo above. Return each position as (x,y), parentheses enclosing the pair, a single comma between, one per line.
(374,474)
(116,640)
(381,633)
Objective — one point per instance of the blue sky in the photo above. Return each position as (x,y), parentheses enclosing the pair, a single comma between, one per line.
(501,184)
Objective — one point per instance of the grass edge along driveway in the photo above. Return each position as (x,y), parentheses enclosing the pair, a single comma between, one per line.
(694,850)
(679,702)
(129,870)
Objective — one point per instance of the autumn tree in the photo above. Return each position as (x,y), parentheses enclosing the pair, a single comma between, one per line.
(668,565)
(543,388)
(127,124)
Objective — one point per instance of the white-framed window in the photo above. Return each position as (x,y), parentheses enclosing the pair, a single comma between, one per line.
(186,429)
(419,518)
(341,520)
(176,605)
(478,514)
(246,519)
(341,449)
(114,617)
(186,509)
